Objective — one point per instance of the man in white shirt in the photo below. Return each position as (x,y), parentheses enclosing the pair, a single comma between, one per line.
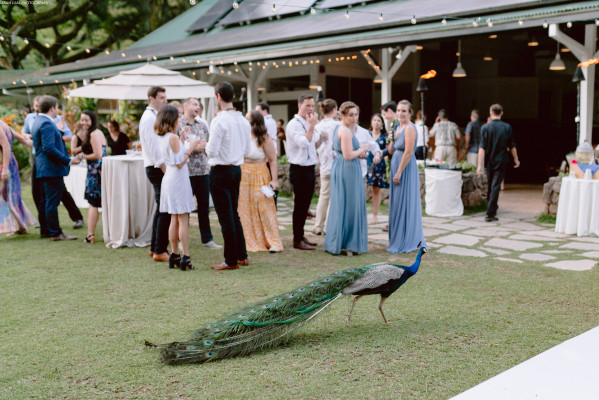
(446,134)
(229,142)
(301,153)
(271,124)
(324,132)
(150,151)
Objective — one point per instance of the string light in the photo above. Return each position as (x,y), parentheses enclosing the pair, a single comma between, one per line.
(274,8)
(69,48)
(312,10)
(381,17)
(520,22)
(545,24)
(347,14)
(596,23)
(172,58)
(26,41)
(413,20)
(569,24)
(107,52)
(235,4)
(443,21)
(154,58)
(87,51)
(123,54)
(475,23)
(47,45)
(1,38)
(489,23)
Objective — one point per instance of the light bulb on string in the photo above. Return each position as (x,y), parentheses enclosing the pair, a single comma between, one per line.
(545,24)
(69,48)
(413,20)
(381,17)
(569,24)
(312,10)
(474,23)
(235,4)
(123,54)
(489,23)
(274,8)
(1,38)
(47,45)
(520,22)
(106,52)
(347,14)
(26,41)
(443,21)
(87,51)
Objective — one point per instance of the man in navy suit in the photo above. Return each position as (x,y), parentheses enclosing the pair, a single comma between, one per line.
(52,165)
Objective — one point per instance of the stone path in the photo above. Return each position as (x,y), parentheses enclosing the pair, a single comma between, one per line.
(515,238)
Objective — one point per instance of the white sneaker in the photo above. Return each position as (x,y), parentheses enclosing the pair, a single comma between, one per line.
(274,250)
(212,245)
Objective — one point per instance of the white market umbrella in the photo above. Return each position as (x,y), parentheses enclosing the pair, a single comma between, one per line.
(134,85)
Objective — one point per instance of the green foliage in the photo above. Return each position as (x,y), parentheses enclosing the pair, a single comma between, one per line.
(546,219)
(282,160)
(480,207)
(467,167)
(21,155)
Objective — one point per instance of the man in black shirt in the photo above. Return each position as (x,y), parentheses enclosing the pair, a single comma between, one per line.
(495,142)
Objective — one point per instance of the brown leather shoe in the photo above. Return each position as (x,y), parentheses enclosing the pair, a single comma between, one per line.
(244,262)
(301,245)
(62,236)
(223,266)
(151,253)
(309,243)
(160,257)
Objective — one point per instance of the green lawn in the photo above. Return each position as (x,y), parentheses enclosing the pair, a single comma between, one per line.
(74,317)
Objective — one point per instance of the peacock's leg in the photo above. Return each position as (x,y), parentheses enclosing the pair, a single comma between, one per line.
(351,309)
(383,299)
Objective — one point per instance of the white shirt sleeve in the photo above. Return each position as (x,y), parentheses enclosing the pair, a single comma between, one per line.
(216,137)
(297,133)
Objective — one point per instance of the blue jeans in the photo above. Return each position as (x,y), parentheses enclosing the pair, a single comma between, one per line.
(200,185)
(224,186)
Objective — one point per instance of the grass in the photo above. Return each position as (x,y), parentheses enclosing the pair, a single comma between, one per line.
(74,317)
(546,219)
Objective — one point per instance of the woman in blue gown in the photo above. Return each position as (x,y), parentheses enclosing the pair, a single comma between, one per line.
(405,210)
(347,227)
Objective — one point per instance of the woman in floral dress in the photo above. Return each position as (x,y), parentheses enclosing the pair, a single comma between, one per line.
(91,143)
(15,217)
(377,175)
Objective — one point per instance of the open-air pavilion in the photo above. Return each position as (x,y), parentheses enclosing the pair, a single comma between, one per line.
(374,51)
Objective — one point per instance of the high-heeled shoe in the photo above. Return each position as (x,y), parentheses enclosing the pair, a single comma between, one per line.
(174,260)
(90,239)
(186,263)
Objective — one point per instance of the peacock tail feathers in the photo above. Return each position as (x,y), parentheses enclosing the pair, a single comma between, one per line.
(261,325)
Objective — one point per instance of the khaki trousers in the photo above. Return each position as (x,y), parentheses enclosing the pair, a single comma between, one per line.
(322,209)
(446,152)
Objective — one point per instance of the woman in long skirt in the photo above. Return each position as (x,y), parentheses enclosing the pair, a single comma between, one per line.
(405,210)
(15,217)
(347,227)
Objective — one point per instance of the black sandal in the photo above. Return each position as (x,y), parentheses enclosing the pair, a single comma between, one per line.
(174,260)
(186,263)
(90,239)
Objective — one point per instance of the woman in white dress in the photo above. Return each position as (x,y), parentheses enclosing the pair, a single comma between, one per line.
(176,197)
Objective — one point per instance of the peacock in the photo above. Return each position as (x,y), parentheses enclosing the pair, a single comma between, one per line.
(265,324)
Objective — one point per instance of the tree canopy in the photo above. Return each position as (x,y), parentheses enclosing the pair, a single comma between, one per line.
(34,34)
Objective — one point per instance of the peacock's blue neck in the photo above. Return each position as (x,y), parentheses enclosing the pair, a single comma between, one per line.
(412,269)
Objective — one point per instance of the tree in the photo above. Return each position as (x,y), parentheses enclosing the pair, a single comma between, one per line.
(69,30)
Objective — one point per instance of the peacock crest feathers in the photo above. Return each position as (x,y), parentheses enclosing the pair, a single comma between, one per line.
(263,324)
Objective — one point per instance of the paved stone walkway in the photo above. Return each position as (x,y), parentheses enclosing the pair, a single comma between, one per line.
(515,238)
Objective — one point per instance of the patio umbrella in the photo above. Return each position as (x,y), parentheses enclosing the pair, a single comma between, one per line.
(134,84)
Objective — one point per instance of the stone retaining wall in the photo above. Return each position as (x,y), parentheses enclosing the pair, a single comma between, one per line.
(551,191)
(474,187)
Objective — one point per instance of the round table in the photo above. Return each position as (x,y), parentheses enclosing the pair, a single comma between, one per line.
(75,184)
(578,207)
(443,192)
(128,203)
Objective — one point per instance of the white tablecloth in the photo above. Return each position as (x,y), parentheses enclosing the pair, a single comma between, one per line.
(75,184)
(578,207)
(127,201)
(443,192)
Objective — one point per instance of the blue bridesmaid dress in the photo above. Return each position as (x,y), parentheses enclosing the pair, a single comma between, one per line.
(405,209)
(346,224)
